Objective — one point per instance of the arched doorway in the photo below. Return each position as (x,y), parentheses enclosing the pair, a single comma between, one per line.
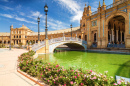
(116,31)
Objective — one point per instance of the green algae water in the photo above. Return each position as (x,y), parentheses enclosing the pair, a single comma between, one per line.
(115,64)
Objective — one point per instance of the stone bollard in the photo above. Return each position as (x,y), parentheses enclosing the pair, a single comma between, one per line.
(27,47)
(30,48)
(63,38)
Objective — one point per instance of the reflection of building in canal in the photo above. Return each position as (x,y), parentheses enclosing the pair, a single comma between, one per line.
(47,57)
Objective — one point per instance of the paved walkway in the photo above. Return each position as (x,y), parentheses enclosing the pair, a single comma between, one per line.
(8,73)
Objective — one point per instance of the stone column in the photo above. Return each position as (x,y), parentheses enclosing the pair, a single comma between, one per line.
(110,37)
(117,35)
(82,35)
(6,41)
(35,41)
(121,35)
(124,36)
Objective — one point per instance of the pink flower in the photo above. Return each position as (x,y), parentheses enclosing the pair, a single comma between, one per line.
(78,74)
(71,82)
(48,80)
(115,84)
(64,84)
(119,82)
(49,69)
(46,68)
(57,65)
(91,71)
(75,73)
(94,77)
(48,63)
(40,76)
(81,83)
(75,77)
(54,82)
(72,70)
(41,73)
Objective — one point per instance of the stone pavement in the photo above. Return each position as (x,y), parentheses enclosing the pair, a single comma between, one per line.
(8,69)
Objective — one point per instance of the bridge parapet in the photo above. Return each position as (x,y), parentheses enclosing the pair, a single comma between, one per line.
(52,43)
(36,46)
(55,40)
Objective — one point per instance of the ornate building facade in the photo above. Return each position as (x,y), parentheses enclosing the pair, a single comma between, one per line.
(109,25)
(24,35)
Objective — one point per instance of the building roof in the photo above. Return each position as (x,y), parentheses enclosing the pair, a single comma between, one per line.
(4,34)
(56,31)
(23,27)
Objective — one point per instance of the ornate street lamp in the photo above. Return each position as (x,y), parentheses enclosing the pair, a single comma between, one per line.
(46,10)
(38,20)
(10,39)
(71,30)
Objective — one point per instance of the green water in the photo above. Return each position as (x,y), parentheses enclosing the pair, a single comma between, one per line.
(115,64)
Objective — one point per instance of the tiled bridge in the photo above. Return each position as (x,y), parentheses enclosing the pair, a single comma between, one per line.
(48,46)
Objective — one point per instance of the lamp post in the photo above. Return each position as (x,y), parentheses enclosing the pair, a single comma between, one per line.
(38,20)
(10,39)
(71,30)
(46,10)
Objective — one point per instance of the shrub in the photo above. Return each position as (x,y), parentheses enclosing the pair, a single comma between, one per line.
(54,74)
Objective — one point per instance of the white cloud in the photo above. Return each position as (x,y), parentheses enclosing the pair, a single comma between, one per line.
(5,0)
(6,15)
(94,6)
(17,18)
(56,24)
(76,8)
(6,8)
(21,13)
(23,19)
(73,7)
(36,14)
(18,7)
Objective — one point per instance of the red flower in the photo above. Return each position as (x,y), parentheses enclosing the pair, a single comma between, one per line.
(57,65)
(81,84)
(78,74)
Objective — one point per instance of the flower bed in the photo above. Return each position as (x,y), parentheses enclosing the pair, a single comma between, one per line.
(54,74)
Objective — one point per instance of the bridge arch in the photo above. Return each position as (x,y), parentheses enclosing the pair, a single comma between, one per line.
(48,46)
(53,46)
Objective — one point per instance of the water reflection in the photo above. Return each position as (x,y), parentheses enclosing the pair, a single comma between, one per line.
(89,61)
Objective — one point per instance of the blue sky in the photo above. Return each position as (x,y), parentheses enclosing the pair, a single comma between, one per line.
(61,13)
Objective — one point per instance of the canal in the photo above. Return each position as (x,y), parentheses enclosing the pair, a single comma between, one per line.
(115,64)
